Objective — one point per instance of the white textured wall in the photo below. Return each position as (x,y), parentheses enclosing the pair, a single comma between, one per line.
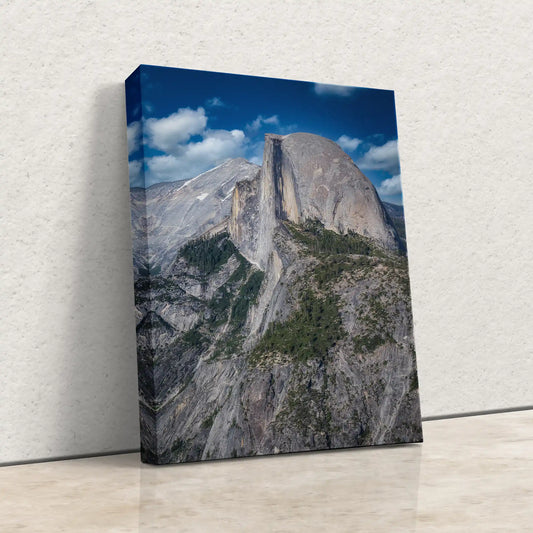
(462,73)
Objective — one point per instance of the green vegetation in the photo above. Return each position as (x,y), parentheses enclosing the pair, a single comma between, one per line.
(219,306)
(162,289)
(241,271)
(368,343)
(319,240)
(377,313)
(307,409)
(298,408)
(228,345)
(316,326)
(309,332)
(376,320)
(331,268)
(208,422)
(247,297)
(230,303)
(208,254)
(194,338)
(231,343)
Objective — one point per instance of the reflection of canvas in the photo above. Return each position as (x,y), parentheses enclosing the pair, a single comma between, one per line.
(271,282)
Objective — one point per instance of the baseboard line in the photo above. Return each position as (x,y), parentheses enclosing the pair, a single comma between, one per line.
(477,413)
(68,457)
(136,450)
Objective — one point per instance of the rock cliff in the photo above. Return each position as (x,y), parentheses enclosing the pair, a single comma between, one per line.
(306,177)
(281,318)
(165,216)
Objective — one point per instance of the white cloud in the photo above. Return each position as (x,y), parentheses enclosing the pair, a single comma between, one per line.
(348,144)
(134,136)
(185,157)
(163,168)
(255,152)
(322,89)
(136,176)
(256,125)
(216,145)
(215,102)
(383,157)
(168,133)
(391,186)
(196,157)
(271,120)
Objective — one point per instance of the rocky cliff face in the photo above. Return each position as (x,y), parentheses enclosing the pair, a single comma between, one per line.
(165,216)
(334,367)
(283,326)
(306,177)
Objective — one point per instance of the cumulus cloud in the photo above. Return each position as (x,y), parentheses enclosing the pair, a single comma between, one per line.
(390,186)
(184,156)
(134,137)
(255,152)
(348,144)
(216,145)
(384,157)
(258,123)
(163,168)
(215,102)
(167,134)
(322,89)
(135,172)
(189,147)
(194,158)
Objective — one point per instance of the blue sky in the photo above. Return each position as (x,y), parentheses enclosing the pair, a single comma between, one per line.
(184,122)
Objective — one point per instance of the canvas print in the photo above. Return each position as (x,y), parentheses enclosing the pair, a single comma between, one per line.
(270,267)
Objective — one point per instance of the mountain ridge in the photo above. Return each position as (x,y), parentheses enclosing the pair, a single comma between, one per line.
(156,210)
(281,321)
(165,216)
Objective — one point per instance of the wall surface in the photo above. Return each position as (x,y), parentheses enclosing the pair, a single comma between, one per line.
(462,73)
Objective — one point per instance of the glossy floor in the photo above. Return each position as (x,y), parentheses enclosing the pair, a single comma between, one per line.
(471,474)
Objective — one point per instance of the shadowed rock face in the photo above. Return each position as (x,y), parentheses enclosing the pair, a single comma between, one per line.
(305,176)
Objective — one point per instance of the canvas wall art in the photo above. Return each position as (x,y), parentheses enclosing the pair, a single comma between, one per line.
(272,297)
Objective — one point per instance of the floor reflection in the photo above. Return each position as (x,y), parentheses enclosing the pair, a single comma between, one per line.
(471,474)
(344,490)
